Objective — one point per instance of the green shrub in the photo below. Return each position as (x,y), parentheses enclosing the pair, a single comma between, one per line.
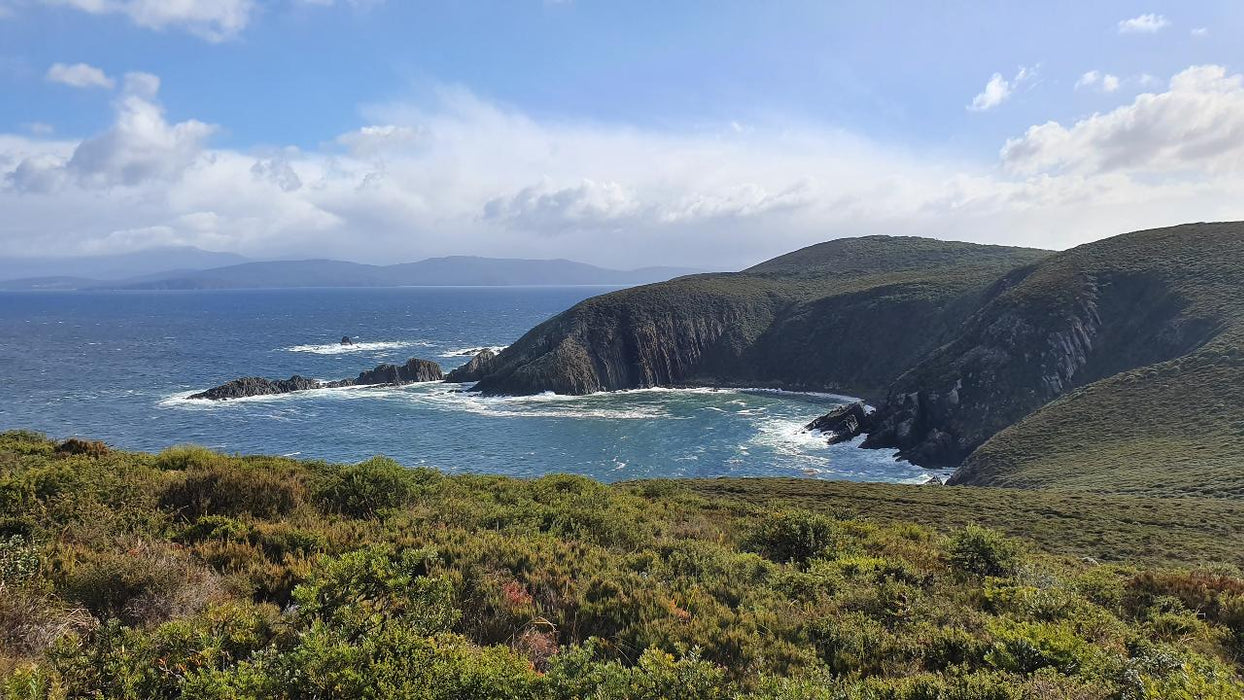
(225,487)
(792,536)
(984,552)
(183,457)
(367,488)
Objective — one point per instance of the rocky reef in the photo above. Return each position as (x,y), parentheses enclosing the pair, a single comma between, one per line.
(415,370)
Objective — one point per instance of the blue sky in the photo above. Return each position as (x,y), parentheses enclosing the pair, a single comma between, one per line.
(623,133)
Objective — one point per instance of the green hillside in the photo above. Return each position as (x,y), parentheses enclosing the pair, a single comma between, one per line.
(197,575)
(1113,366)
(1140,335)
(811,319)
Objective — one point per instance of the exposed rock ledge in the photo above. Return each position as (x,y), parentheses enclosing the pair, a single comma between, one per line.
(843,423)
(415,370)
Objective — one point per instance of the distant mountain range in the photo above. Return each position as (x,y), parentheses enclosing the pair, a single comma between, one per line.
(70,272)
(77,274)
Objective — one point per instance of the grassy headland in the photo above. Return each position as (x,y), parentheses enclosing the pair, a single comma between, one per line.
(1113,367)
(193,574)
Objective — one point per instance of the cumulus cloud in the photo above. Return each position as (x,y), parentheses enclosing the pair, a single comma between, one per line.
(1196,125)
(1143,24)
(79,75)
(999,90)
(456,174)
(140,146)
(213,20)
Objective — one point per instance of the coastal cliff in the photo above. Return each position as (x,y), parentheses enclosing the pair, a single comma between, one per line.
(969,352)
(815,319)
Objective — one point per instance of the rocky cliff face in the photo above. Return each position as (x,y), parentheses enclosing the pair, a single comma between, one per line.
(475,369)
(662,335)
(1033,342)
(415,370)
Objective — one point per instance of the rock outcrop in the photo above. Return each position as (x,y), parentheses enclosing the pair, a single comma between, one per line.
(843,423)
(474,370)
(415,370)
(257,386)
(345,340)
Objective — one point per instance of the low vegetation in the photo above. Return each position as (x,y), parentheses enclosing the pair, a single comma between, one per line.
(193,574)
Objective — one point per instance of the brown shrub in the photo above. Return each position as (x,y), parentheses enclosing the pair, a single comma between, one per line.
(1200,591)
(150,583)
(538,644)
(90,448)
(30,623)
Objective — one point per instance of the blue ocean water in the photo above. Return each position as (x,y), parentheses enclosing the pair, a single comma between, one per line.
(118,366)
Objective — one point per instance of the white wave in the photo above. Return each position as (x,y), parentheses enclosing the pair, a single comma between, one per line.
(182,399)
(468,353)
(340,349)
(546,405)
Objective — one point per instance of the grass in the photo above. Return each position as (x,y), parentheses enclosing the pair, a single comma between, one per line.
(194,574)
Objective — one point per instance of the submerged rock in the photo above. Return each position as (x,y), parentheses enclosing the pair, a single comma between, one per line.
(415,370)
(474,370)
(842,423)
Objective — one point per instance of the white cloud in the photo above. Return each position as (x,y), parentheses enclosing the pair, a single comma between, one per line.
(1144,24)
(378,139)
(465,175)
(140,146)
(1200,31)
(1098,80)
(39,128)
(999,89)
(79,75)
(213,20)
(1195,126)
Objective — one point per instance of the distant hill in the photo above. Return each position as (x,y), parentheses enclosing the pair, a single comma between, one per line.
(1114,366)
(448,271)
(90,270)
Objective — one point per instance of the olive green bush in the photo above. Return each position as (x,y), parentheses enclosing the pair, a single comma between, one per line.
(132,576)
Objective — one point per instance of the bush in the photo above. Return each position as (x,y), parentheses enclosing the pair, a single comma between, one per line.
(364,489)
(984,552)
(183,457)
(151,582)
(90,448)
(227,488)
(792,536)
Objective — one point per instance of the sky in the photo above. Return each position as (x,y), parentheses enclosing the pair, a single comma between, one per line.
(708,134)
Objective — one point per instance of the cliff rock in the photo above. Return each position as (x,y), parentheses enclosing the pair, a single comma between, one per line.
(474,370)
(843,423)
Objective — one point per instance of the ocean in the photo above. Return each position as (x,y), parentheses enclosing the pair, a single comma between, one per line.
(118,366)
